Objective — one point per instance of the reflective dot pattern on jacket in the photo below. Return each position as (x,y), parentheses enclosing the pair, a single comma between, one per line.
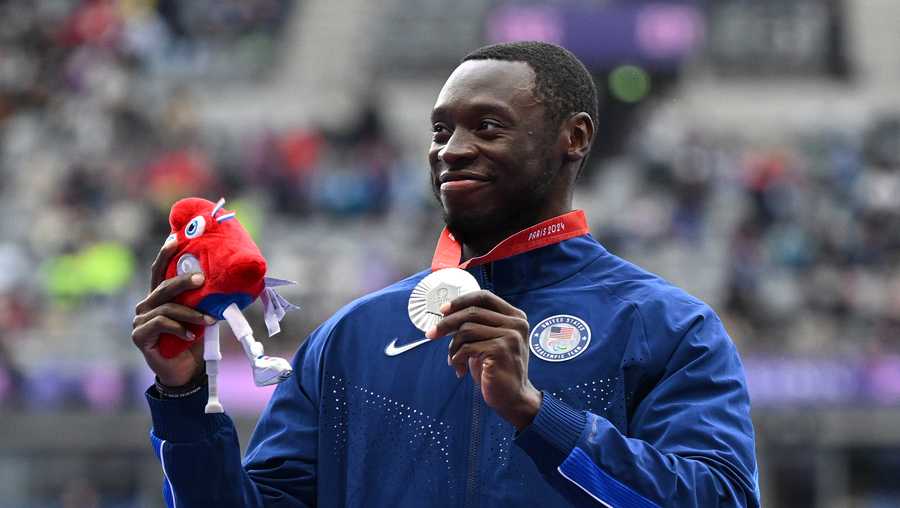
(595,396)
(366,423)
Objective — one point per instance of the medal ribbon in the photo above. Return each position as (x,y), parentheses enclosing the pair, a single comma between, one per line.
(449,251)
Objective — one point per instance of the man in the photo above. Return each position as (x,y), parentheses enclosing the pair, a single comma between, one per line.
(574,377)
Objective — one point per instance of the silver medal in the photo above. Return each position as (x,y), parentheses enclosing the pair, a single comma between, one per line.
(434,291)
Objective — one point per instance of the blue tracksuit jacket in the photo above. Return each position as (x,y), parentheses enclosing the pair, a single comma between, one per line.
(653,412)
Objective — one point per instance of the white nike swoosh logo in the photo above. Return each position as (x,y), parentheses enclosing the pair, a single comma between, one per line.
(392,349)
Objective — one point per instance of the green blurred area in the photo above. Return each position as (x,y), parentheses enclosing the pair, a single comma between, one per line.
(103,268)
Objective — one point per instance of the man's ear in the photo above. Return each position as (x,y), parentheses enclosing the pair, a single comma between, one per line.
(579,133)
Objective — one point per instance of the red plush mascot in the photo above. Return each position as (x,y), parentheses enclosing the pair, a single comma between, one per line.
(210,240)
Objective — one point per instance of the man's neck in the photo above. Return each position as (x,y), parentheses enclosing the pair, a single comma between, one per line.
(470,251)
(484,242)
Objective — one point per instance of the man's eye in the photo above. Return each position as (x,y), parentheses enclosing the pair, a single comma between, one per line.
(489,125)
(440,133)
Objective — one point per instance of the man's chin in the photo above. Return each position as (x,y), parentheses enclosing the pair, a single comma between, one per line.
(469,225)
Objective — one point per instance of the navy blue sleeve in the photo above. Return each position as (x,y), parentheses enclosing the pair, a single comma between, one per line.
(689,441)
(282,454)
(200,455)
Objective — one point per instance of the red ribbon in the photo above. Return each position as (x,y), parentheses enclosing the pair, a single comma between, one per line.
(449,251)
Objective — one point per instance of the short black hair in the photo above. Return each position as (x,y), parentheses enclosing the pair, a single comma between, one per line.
(561,81)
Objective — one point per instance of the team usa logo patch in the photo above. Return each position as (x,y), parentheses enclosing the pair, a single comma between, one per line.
(560,338)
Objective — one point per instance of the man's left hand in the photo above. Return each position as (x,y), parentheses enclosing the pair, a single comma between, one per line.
(490,339)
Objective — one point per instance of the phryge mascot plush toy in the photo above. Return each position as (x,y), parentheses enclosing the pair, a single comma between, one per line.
(210,240)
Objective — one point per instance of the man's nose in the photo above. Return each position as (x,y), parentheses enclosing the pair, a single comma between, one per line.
(459,150)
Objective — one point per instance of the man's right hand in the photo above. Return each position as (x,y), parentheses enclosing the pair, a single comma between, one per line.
(157,314)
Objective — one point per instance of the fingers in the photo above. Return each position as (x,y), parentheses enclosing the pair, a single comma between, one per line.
(474,355)
(471,336)
(484,299)
(451,322)
(483,326)
(480,307)
(471,340)
(158,268)
(169,289)
(474,332)
(146,336)
(476,367)
(175,312)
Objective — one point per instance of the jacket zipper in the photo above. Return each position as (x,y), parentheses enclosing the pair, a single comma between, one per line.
(474,448)
(471,499)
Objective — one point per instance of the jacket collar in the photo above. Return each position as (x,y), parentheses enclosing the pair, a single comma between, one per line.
(537,256)
(540,267)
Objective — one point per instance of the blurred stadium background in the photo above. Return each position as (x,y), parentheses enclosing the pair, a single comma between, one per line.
(748,150)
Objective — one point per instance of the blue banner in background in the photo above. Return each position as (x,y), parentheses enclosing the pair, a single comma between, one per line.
(853,381)
(774,381)
(658,35)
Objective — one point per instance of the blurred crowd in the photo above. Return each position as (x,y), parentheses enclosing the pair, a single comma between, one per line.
(794,240)
(99,138)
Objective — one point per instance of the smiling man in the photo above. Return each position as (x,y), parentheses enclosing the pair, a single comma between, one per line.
(572,378)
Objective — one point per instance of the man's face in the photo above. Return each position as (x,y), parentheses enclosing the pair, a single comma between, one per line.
(492,159)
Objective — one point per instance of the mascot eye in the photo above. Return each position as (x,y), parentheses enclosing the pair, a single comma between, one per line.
(195,227)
